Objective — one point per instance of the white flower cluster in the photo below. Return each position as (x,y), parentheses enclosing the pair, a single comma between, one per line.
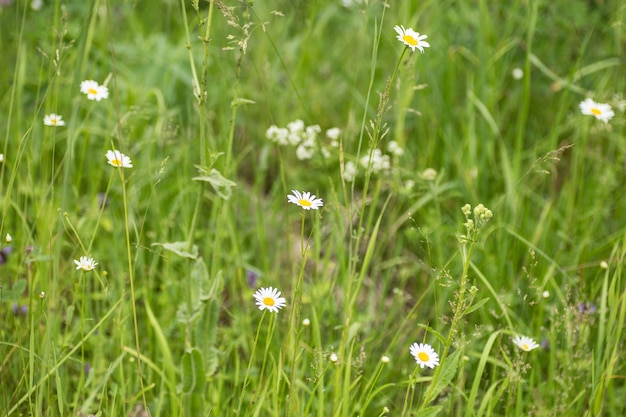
(380,163)
(304,138)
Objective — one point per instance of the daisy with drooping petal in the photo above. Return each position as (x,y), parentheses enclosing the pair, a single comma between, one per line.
(118,159)
(424,355)
(306,200)
(93,90)
(85,263)
(411,38)
(600,111)
(53,120)
(269,299)
(525,343)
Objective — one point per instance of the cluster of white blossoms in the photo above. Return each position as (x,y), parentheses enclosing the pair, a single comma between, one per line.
(304,138)
(380,163)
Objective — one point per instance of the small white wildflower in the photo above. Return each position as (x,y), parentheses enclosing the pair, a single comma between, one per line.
(545,294)
(525,343)
(349,171)
(384,359)
(379,162)
(411,38)
(429,174)
(118,159)
(306,322)
(297,126)
(304,152)
(269,299)
(333,133)
(394,148)
(600,111)
(333,357)
(85,263)
(93,90)
(424,355)
(306,200)
(53,120)
(8,238)
(517,73)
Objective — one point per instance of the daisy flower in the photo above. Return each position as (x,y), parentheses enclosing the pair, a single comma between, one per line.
(85,263)
(600,111)
(93,90)
(118,159)
(411,38)
(270,299)
(53,120)
(525,343)
(424,355)
(306,200)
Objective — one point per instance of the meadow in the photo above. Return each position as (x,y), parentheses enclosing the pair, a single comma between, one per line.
(307,208)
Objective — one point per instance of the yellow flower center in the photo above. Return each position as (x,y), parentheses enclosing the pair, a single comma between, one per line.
(116,162)
(595,111)
(525,346)
(410,40)
(53,121)
(305,203)
(92,91)
(423,356)
(268,301)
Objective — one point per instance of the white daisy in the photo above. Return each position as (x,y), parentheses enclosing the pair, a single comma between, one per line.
(424,355)
(600,111)
(118,159)
(270,299)
(53,120)
(85,263)
(411,38)
(93,90)
(306,200)
(525,343)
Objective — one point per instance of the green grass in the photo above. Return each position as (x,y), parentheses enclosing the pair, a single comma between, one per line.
(167,324)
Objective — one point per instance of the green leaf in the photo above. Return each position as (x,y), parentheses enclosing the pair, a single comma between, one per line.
(193,383)
(221,185)
(180,249)
(212,361)
(429,411)
(183,315)
(448,370)
(213,287)
(199,283)
(194,380)
(240,101)
(14,294)
(476,306)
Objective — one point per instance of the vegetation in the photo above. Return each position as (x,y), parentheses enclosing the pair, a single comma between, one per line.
(472,208)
